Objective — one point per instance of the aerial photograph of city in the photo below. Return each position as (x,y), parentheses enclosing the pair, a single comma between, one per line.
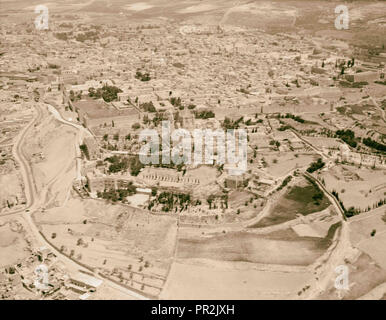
(182,150)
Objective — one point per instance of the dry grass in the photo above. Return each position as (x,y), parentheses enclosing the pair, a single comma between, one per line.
(297,201)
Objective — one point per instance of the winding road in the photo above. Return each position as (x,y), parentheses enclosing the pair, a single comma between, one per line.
(35,201)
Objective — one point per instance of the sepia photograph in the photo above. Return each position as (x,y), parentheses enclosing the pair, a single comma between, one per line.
(192,150)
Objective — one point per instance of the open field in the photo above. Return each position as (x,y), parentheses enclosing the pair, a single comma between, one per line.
(14,193)
(357,187)
(364,275)
(51,150)
(280,164)
(278,247)
(111,233)
(361,228)
(231,281)
(14,241)
(281,16)
(298,200)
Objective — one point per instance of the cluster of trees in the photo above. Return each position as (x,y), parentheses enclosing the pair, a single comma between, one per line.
(204,114)
(157,119)
(374,144)
(347,136)
(74,97)
(291,116)
(136,126)
(354,211)
(66,25)
(319,195)
(274,143)
(285,127)
(176,101)
(85,151)
(117,164)
(142,76)
(32,70)
(284,183)
(316,165)
(249,122)
(212,204)
(117,195)
(350,63)
(53,66)
(377,205)
(88,35)
(170,201)
(242,90)
(351,211)
(336,195)
(110,147)
(357,85)
(135,166)
(230,124)
(342,65)
(108,93)
(348,213)
(148,106)
(62,35)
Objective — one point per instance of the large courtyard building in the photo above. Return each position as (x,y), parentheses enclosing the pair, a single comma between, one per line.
(94,113)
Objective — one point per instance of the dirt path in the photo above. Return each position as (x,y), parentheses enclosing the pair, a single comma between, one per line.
(334,257)
(36,202)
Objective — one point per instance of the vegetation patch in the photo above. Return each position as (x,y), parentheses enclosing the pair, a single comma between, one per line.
(302,200)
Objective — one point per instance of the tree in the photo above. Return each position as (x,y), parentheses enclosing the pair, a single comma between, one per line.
(148,106)
(210,200)
(84,149)
(142,76)
(136,126)
(108,93)
(135,166)
(347,136)
(316,165)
